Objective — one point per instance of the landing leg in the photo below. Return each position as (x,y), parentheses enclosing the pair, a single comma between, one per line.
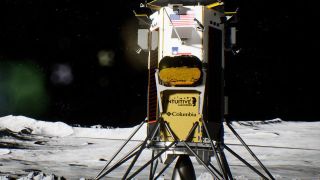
(249,150)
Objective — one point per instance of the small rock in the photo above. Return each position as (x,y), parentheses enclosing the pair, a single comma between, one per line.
(26,131)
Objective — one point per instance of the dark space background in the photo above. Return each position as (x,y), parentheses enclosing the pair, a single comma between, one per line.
(75,61)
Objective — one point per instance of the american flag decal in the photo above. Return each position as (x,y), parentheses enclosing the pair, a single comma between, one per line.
(175,51)
(182,20)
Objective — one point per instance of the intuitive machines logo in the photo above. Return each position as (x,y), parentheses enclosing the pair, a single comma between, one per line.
(185,101)
(181,112)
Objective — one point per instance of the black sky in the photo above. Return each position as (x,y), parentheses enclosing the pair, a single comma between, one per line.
(274,75)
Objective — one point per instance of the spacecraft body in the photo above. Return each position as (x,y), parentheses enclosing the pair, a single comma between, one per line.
(186,59)
(185,41)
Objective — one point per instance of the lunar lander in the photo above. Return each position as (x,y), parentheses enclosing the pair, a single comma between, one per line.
(185,41)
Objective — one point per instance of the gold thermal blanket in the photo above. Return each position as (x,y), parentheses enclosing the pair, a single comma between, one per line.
(175,76)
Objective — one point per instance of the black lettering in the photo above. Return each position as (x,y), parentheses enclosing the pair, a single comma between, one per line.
(189,114)
(188,101)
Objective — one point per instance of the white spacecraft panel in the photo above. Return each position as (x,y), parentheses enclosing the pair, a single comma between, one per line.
(179,34)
